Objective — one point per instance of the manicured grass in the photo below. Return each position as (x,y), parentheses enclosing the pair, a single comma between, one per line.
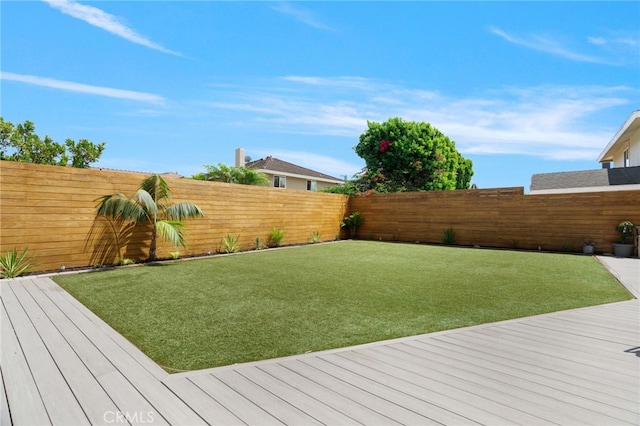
(229,309)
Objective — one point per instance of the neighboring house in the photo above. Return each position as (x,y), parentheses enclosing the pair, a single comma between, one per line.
(623,150)
(282,174)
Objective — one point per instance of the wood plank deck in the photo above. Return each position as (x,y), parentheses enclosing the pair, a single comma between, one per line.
(60,364)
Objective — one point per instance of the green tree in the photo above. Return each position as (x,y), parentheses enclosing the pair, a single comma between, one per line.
(246,176)
(21,143)
(84,152)
(234,174)
(149,205)
(410,156)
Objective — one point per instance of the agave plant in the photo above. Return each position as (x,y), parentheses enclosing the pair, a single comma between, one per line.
(230,244)
(315,237)
(14,264)
(149,204)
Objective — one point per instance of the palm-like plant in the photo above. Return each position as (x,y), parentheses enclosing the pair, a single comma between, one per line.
(234,174)
(219,173)
(247,176)
(149,204)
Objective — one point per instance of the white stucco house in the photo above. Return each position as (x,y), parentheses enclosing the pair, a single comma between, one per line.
(623,150)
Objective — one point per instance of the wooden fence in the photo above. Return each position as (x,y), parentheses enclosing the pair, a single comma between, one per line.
(503,217)
(51,211)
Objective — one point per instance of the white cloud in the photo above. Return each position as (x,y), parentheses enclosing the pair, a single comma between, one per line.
(555,122)
(301,15)
(598,41)
(82,88)
(546,44)
(101,19)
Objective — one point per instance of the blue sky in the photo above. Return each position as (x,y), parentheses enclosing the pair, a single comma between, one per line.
(521,87)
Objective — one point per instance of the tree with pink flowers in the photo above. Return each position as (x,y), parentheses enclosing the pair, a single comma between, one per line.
(410,156)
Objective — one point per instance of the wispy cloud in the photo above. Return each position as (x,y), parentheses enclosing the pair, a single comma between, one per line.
(547,44)
(103,20)
(82,88)
(622,47)
(302,15)
(554,122)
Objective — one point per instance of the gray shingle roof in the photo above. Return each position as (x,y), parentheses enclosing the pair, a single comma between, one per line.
(586,178)
(275,165)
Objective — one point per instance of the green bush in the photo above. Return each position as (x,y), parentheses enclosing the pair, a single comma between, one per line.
(275,237)
(352,222)
(448,236)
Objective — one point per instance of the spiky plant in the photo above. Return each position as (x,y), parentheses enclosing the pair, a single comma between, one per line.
(14,264)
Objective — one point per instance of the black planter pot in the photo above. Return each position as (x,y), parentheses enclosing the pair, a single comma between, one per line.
(622,250)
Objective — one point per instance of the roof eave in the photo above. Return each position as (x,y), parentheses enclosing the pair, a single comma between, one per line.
(294,175)
(606,155)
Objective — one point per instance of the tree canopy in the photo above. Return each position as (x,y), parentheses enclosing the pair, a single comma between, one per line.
(234,174)
(21,143)
(410,156)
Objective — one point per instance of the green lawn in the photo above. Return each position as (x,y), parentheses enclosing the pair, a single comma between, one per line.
(229,309)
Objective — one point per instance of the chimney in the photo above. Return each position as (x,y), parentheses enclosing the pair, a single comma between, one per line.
(239,156)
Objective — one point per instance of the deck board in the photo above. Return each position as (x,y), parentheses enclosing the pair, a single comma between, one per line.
(86,389)
(60,403)
(23,397)
(61,364)
(166,405)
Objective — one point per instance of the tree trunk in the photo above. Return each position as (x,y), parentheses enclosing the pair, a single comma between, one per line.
(152,246)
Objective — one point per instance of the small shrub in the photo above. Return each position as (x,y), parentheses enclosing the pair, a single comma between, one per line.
(352,222)
(125,261)
(14,264)
(230,244)
(626,231)
(258,243)
(448,236)
(315,237)
(275,237)
(175,255)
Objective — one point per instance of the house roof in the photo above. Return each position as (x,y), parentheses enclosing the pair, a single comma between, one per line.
(622,135)
(586,178)
(274,165)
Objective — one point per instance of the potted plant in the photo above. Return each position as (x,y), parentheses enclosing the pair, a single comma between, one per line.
(626,230)
(588,246)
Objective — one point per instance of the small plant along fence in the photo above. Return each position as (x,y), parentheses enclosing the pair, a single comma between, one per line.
(502,217)
(51,211)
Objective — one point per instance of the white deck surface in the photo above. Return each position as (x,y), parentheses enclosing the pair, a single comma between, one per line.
(60,364)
